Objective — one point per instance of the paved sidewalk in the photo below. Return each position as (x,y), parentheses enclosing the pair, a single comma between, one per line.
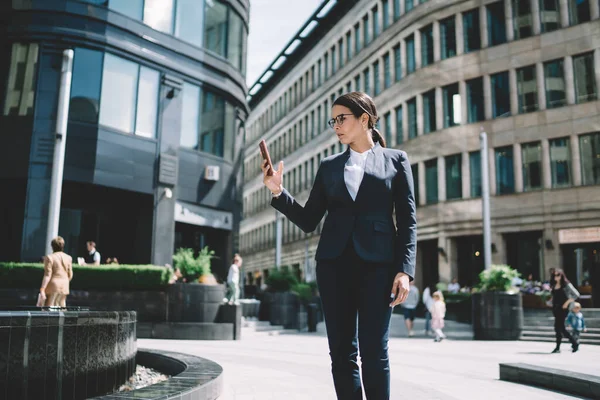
(290,366)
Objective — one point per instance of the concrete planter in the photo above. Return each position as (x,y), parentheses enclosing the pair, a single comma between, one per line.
(497,316)
(194,302)
(284,309)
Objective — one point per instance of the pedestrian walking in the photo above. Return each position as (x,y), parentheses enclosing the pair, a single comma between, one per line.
(58,272)
(409,308)
(233,280)
(563,294)
(438,313)
(576,322)
(364,261)
(428,302)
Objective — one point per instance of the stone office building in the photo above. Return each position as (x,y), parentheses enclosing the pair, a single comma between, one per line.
(527,72)
(156,122)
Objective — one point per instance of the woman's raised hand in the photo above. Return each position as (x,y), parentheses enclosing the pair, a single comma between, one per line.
(273,182)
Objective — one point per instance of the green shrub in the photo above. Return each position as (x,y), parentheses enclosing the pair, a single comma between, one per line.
(193,267)
(103,277)
(498,278)
(456,297)
(304,291)
(281,281)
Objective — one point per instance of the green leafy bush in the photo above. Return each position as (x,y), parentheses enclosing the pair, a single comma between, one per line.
(281,281)
(456,297)
(193,267)
(304,291)
(499,278)
(103,277)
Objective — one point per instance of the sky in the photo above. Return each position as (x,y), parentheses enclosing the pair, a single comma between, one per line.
(272,24)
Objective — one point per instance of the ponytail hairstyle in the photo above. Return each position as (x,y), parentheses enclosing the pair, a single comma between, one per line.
(361,103)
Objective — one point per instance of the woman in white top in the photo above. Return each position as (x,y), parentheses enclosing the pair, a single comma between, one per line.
(428,301)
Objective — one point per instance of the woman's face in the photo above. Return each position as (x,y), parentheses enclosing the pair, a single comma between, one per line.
(351,128)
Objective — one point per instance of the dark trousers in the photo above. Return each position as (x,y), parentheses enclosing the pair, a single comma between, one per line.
(354,290)
(559,326)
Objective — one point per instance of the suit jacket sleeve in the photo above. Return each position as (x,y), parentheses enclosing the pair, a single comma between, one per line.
(406,219)
(308,217)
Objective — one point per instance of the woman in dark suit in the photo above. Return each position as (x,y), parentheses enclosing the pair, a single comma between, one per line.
(364,262)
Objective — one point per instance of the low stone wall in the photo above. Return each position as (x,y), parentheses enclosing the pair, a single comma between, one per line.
(65,354)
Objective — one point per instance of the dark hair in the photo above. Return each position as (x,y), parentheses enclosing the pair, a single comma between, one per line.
(57,244)
(563,282)
(91,243)
(361,103)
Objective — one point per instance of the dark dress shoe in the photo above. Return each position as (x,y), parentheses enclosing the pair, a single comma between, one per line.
(556,350)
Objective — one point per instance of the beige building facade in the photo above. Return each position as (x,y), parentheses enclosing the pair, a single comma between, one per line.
(526,72)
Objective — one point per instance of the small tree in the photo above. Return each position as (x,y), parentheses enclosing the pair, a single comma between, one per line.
(193,267)
(499,278)
(281,281)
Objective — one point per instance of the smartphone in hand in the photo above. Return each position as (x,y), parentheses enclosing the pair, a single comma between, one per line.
(264,151)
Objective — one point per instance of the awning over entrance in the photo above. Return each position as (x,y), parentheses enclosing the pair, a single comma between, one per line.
(202,216)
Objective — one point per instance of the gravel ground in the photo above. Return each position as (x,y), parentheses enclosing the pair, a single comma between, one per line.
(143,377)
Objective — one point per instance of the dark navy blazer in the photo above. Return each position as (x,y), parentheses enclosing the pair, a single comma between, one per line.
(387,185)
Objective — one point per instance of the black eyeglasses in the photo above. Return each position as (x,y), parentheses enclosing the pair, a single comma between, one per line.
(339,120)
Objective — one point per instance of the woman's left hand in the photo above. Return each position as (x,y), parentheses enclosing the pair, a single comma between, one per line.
(400,289)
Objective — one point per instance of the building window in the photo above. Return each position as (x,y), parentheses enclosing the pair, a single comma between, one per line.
(333,61)
(522,19)
(348,86)
(366,38)
(527,89)
(411,65)
(408,5)
(86,85)
(550,15)
(356,38)
(188,17)
(454,177)
(326,61)
(500,95)
(215,27)
(505,180)
(385,5)
(341,52)
(589,148)
(560,162)
(387,122)
(396,10)
(415,173)
(431,181)
(376,78)
(375,18)
(412,118)
(357,86)
(190,116)
(475,172)
(132,8)
(475,100)
(399,125)
(451,105)
(348,46)
(213,124)
(397,63)
(579,11)
(531,154)
(585,79)
(147,102)
(429,115)
(448,37)
(471,30)
(22,82)
(554,77)
(427,45)
(367,79)
(496,23)
(387,73)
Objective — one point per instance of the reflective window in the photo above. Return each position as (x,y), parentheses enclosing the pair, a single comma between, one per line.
(387,123)
(475,172)
(376,78)
(21,83)
(409,5)
(427,45)
(527,89)
(429,115)
(415,173)
(190,116)
(410,55)
(496,23)
(585,78)
(367,79)
(387,73)
(357,86)
(215,27)
(399,125)
(385,5)
(213,124)
(333,61)
(158,14)
(348,46)
(451,105)
(396,9)
(531,154)
(85,85)
(505,180)
(471,30)
(475,100)
(397,63)
(454,177)
(236,41)
(550,15)
(356,38)
(375,17)
(119,93)
(147,104)
(431,181)
(131,8)
(589,148)
(579,11)
(366,38)
(448,37)
(412,118)
(500,95)
(560,162)
(522,19)
(554,81)
(189,19)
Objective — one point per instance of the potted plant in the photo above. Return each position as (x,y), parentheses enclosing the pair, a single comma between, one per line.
(284,304)
(497,305)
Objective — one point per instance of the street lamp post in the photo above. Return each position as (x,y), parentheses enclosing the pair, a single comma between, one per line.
(485,200)
(62,116)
